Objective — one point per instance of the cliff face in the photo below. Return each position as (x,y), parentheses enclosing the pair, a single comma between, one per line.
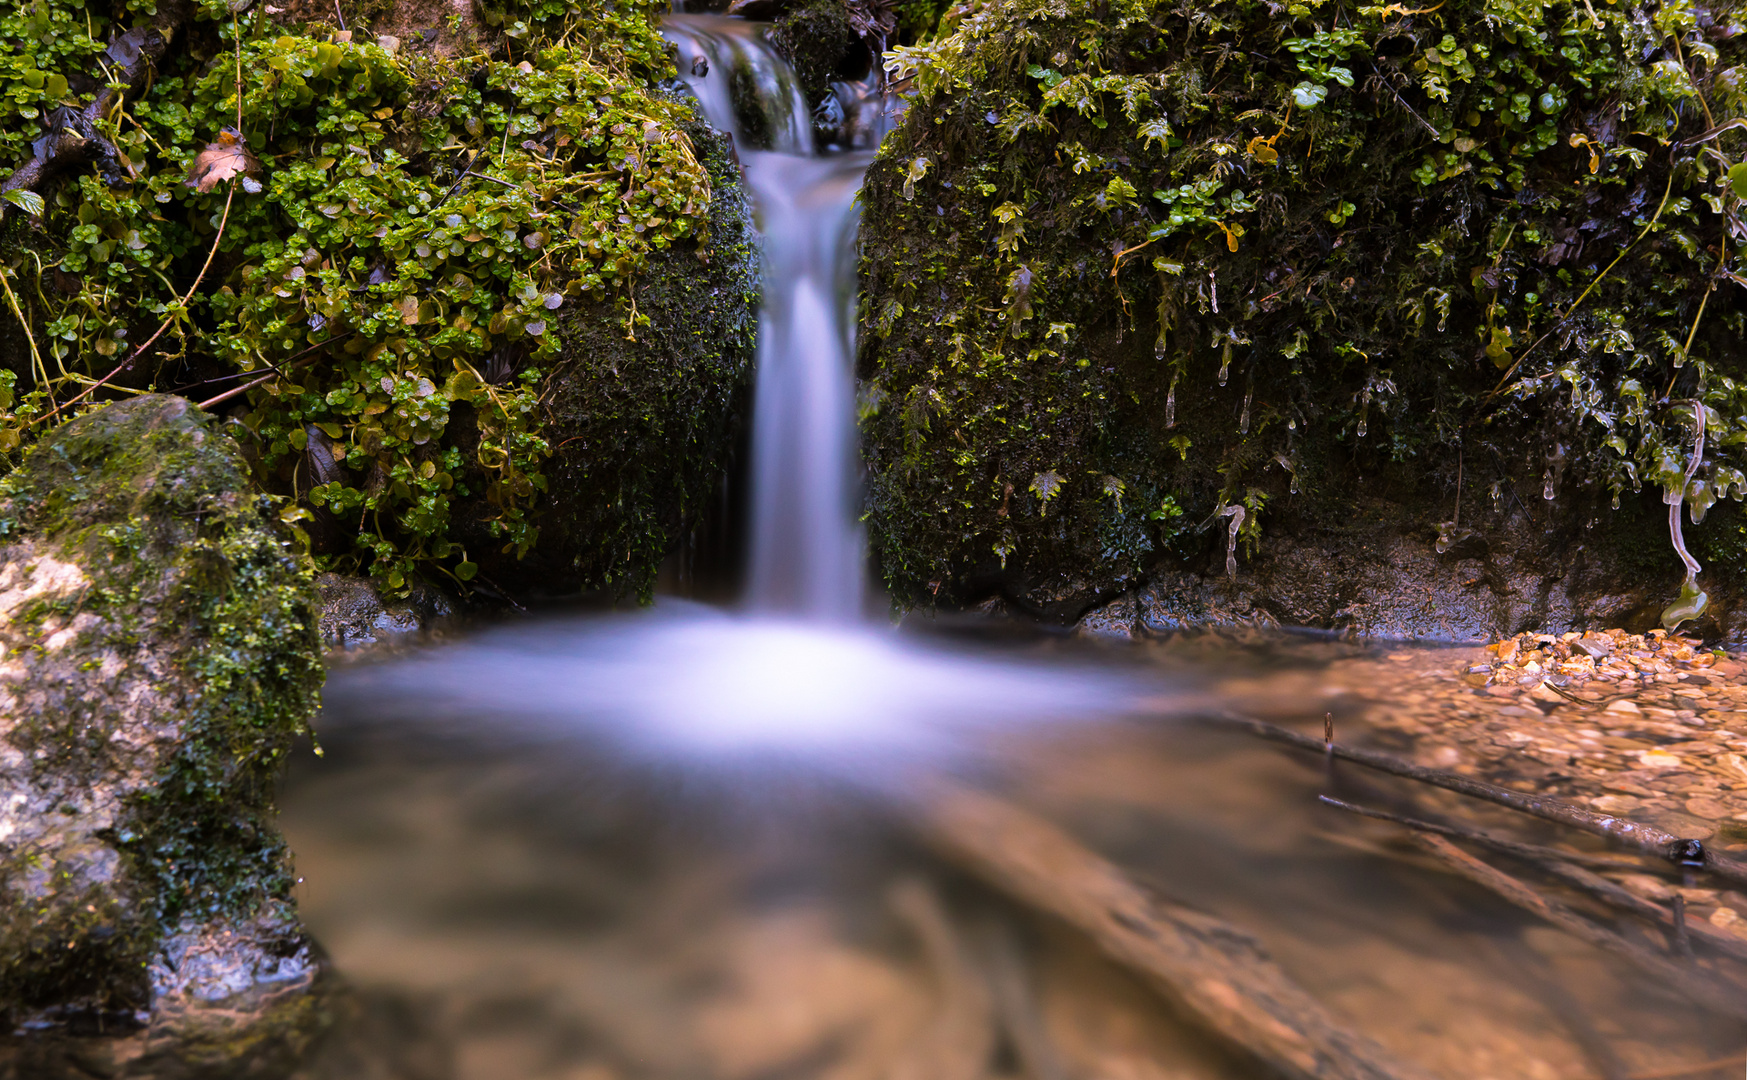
(1150,290)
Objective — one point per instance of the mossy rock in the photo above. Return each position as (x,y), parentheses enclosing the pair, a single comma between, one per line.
(1131,268)
(159,657)
(515,249)
(643,417)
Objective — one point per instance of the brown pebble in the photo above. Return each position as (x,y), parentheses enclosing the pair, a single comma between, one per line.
(1709,809)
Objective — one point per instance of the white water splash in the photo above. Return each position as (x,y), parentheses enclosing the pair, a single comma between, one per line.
(684,680)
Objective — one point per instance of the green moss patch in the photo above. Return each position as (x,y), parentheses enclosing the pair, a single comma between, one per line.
(161,695)
(397,293)
(1135,270)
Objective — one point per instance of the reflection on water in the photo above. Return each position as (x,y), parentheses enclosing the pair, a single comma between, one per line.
(617,907)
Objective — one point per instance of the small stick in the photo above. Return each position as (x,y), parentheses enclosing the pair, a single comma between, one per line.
(1682,941)
(1328,743)
(1711,993)
(1558,864)
(275,373)
(1644,837)
(235,390)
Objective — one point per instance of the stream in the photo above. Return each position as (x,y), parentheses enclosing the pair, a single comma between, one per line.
(674,843)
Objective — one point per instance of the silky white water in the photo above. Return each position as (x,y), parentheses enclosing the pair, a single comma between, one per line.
(799,670)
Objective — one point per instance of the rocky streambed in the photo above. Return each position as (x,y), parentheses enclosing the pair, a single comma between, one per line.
(550,914)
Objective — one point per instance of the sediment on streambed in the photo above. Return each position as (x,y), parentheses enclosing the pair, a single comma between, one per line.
(1153,291)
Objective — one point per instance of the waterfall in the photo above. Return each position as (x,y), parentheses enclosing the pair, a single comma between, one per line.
(806,553)
(799,676)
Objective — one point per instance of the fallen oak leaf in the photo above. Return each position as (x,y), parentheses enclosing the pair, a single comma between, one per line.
(223,159)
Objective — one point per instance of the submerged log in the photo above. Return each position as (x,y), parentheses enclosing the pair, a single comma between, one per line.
(1215,974)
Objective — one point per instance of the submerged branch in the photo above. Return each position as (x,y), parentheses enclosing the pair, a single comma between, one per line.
(1646,838)
(1213,972)
(1724,998)
(1558,864)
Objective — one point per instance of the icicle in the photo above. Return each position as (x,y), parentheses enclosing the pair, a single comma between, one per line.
(1243,420)
(1291,468)
(1236,514)
(1225,363)
(1171,404)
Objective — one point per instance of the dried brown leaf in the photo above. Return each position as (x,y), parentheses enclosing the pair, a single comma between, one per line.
(224,159)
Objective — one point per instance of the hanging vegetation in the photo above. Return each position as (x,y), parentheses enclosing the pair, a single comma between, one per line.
(1127,259)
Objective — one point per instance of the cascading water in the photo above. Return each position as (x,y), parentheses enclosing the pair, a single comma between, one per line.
(805,552)
(742,86)
(799,670)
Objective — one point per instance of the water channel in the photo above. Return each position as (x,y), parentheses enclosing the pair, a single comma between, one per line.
(672,843)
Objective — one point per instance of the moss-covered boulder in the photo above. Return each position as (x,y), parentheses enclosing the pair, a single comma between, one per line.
(643,413)
(158,655)
(484,293)
(1149,285)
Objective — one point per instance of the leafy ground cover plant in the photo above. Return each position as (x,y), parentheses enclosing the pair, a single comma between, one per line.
(1126,257)
(392,273)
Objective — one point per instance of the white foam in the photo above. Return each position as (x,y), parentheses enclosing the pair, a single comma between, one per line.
(691,681)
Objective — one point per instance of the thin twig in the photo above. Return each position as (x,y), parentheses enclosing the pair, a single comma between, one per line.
(235,390)
(1646,838)
(1713,993)
(24,323)
(180,304)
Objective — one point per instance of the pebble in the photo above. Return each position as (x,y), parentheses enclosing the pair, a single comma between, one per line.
(1649,727)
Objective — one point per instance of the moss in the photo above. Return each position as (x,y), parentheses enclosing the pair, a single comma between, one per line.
(424,213)
(650,404)
(1279,257)
(816,39)
(195,589)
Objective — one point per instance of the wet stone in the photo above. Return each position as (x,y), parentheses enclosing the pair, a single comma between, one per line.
(157,658)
